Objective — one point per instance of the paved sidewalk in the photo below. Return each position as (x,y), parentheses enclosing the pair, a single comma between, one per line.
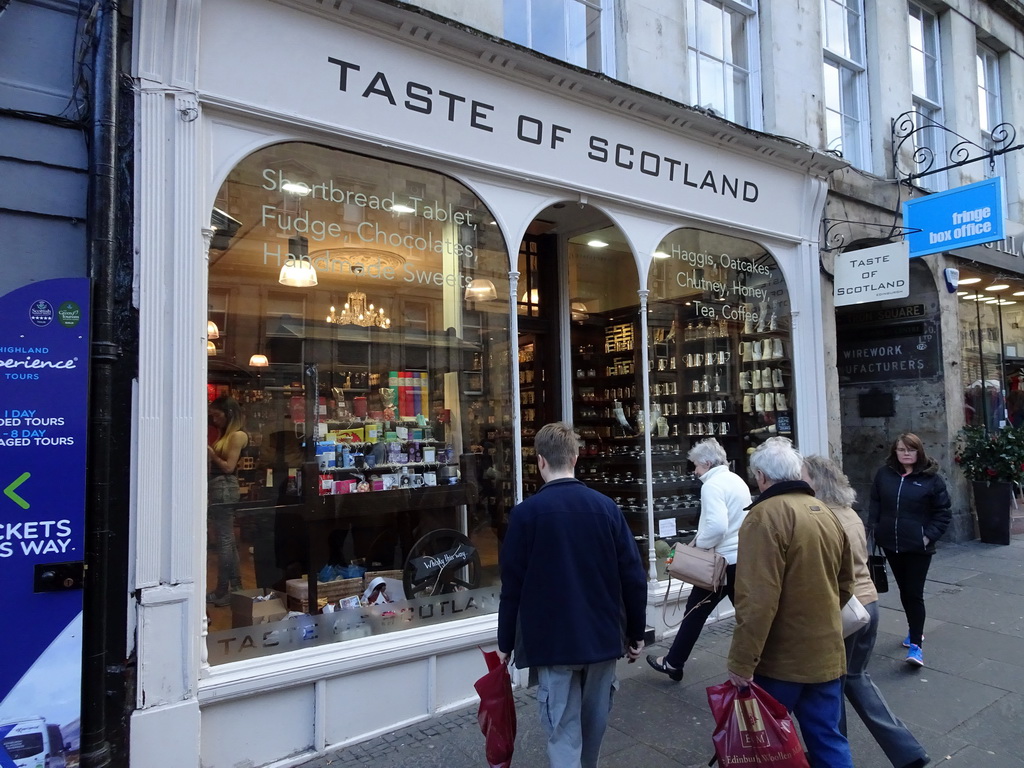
(966,705)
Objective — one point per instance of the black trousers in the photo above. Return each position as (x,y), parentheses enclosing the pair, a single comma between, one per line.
(910,569)
(690,629)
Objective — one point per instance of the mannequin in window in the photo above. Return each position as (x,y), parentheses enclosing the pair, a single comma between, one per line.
(223,493)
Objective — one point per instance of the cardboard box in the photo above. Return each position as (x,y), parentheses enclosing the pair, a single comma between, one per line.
(326,591)
(246,612)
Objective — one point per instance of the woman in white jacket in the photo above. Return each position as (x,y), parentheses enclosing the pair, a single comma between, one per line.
(724,498)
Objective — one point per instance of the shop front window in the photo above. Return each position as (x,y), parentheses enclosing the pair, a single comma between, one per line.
(991,346)
(359,385)
(720,360)
(719,366)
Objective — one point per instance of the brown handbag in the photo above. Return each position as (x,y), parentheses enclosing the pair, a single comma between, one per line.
(703,568)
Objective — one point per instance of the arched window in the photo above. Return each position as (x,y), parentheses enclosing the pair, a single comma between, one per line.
(359,338)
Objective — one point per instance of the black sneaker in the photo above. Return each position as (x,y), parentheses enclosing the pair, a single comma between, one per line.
(665,669)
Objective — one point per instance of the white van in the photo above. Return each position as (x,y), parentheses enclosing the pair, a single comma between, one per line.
(32,743)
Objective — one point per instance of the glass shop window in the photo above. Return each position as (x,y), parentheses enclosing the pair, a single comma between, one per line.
(358,405)
(720,357)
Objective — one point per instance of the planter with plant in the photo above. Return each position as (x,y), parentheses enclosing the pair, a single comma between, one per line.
(994,463)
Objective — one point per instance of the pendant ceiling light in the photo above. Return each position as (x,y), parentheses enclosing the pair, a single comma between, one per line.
(259,361)
(212,331)
(298,271)
(481,289)
(211,349)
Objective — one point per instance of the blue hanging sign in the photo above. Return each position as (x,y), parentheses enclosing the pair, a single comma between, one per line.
(44,389)
(968,215)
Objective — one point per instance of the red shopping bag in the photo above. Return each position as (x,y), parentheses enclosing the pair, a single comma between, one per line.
(752,728)
(497,715)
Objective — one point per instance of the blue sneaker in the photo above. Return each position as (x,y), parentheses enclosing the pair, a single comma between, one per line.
(914,655)
(907,643)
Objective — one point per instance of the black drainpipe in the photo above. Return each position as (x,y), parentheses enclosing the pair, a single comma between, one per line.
(105,356)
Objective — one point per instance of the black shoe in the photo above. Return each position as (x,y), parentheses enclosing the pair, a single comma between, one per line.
(665,669)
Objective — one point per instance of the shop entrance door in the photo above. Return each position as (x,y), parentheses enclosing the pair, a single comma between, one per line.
(540,372)
(43,427)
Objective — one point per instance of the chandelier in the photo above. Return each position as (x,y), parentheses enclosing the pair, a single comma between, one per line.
(357,312)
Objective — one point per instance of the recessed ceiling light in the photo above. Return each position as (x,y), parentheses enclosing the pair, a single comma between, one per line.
(991,301)
(597,243)
(401,208)
(1004,302)
(662,255)
(997,287)
(963,293)
(296,188)
(968,281)
(972,297)
(1018,293)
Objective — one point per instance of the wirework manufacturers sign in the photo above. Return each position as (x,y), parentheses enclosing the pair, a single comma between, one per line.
(896,344)
(872,274)
(968,215)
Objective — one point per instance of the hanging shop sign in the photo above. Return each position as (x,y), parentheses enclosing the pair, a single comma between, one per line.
(44,384)
(968,215)
(897,343)
(872,274)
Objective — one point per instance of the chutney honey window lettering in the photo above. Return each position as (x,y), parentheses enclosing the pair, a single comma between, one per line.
(353,402)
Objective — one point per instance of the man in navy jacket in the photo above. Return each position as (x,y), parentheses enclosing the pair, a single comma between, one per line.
(573,596)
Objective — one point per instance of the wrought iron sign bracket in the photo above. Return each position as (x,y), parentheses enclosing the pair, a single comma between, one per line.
(908,125)
(835,241)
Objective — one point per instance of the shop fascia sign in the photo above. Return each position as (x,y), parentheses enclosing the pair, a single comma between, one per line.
(957,218)
(403,97)
(872,274)
(1005,254)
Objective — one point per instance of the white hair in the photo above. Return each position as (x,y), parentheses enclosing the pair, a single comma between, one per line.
(708,451)
(777,460)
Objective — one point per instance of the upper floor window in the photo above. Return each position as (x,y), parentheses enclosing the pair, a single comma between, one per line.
(989,113)
(579,32)
(721,49)
(846,116)
(925,79)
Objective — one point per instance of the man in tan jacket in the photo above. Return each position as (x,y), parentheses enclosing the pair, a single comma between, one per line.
(793,573)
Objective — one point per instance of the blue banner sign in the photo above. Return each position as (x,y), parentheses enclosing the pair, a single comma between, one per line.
(44,389)
(968,215)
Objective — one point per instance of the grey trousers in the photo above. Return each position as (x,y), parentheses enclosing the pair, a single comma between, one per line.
(575,702)
(892,735)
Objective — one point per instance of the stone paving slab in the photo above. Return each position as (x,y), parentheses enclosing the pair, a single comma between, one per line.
(966,706)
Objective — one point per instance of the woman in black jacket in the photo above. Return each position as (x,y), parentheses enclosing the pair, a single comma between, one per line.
(909,512)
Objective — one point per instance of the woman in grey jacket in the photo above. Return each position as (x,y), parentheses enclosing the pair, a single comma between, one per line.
(910,510)
(724,498)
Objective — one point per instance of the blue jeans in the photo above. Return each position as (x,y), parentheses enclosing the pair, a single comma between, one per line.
(818,708)
(690,629)
(575,702)
(222,494)
(892,735)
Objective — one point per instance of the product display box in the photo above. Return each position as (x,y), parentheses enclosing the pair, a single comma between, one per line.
(326,591)
(245,611)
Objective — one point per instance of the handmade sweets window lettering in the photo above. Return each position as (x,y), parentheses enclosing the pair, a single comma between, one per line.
(356,404)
